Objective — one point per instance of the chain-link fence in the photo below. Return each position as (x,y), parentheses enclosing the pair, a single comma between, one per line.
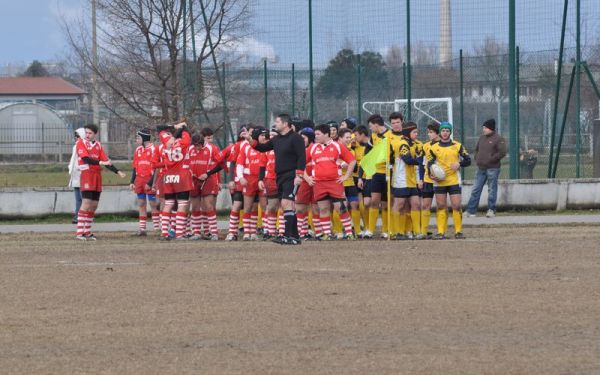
(518,61)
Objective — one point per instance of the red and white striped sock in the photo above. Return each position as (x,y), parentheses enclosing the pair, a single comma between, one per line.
(196,223)
(173,221)
(253,222)
(142,225)
(247,223)
(181,223)
(346,220)
(188,223)
(281,224)
(317,224)
(156,220)
(212,222)
(165,222)
(203,222)
(88,224)
(302,223)
(326,225)
(82,218)
(271,218)
(234,221)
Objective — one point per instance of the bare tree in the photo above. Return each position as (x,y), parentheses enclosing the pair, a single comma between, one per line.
(140,52)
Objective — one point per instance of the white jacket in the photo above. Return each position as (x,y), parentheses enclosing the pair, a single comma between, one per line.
(74,172)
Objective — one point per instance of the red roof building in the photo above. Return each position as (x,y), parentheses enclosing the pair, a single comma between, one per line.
(54,92)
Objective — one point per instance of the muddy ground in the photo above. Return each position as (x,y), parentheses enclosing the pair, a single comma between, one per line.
(506,300)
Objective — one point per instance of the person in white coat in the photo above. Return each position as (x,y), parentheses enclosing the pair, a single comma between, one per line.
(75,174)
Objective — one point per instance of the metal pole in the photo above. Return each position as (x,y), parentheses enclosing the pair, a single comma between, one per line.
(359,94)
(266,107)
(513,151)
(564,122)
(293,90)
(95,113)
(408,63)
(184,54)
(517,116)
(310,62)
(404,79)
(557,89)
(578,93)
(462,106)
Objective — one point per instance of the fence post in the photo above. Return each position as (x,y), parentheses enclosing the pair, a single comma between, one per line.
(408,63)
(463,138)
(293,90)
(43,143)
(557,89)
(513,151)
(266,107)
(578,92)
(359,93)
(518,105)
(310,62)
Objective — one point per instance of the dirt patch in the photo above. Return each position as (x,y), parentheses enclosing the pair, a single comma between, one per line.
(506,300)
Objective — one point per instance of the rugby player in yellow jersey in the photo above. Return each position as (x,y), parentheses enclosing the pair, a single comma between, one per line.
(361,146)
(378,181)
(426,187)
(416,146)
(345,137)
(451,156)
(404,182)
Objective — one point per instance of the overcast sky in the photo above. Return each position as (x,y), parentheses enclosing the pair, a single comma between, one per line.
(30,29)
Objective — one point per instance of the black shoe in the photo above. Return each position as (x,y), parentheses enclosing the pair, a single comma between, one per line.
(439,236)
(267,237)
(278,240)
(459,236)
(74,221)
(290,241)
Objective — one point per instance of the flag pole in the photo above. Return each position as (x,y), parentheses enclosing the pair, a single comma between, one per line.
(388,182)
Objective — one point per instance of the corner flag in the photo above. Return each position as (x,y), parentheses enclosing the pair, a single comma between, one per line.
(377,155)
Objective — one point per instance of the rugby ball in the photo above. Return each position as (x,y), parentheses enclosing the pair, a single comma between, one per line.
(437,172)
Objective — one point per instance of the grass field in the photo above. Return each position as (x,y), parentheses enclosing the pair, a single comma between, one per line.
(506,300)
(51,175)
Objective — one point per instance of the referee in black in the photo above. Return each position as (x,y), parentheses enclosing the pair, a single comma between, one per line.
(290,162)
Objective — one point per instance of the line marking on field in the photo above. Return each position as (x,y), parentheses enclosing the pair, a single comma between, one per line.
(77,264)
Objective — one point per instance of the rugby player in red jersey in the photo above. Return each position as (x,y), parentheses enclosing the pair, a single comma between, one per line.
(327,179)
(142,179)
(90,158)
(177,179)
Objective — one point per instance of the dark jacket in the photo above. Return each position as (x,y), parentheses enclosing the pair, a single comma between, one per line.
(490,150)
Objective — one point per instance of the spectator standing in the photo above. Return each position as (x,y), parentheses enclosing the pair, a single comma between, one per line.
(75,174)
(490,150)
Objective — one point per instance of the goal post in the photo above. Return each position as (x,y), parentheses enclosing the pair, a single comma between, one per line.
(423,110)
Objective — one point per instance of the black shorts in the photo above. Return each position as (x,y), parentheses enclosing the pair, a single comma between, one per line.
(285,185)
(366,190)
(351,193)
(427,191)
(91,195)
(405,192)
(379,185)
(181,196)
(451,190)
(237,197)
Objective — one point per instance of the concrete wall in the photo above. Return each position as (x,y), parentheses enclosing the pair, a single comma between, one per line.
(523,194)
